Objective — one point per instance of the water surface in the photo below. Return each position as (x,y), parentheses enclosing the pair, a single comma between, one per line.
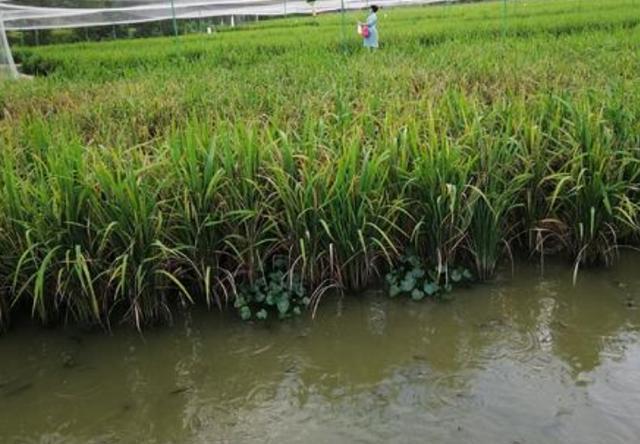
(526,359)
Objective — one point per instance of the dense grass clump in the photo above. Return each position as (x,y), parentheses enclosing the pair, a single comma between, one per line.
(137,176)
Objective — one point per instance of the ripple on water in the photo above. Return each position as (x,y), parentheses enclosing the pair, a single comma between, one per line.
(453,390)
(616,383)
(508,342)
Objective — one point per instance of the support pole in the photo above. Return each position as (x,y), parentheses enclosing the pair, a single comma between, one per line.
(173,15)
(447,8)
(344,25)
(4,42)
(504,18)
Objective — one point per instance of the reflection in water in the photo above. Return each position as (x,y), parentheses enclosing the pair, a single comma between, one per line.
(527,360)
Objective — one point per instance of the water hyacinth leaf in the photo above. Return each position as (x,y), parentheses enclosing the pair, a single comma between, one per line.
(408,284)
(270,299)
(417,294)
(431,288)
(274,286)
(394,291)
(245,313)
(283,305)
(456,275)
(262,314)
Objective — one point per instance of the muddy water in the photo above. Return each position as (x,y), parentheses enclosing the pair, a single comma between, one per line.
(528,359)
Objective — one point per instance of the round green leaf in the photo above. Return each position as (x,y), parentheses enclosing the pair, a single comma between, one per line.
(408,284)
(262,314)
(245,313)
(283,305)
(431,288)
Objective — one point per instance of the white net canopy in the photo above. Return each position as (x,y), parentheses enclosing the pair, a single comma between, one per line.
(48,14)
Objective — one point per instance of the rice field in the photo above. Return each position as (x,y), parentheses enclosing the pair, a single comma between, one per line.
(142,176)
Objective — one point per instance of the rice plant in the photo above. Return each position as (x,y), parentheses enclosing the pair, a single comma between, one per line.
(142,176)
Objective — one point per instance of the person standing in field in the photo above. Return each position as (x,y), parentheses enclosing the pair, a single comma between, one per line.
(371,41)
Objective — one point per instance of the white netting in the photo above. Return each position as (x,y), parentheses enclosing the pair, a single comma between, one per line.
(7,67)
(43,14)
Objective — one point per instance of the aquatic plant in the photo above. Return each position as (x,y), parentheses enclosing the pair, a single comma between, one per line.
(412,278)
(276,291)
